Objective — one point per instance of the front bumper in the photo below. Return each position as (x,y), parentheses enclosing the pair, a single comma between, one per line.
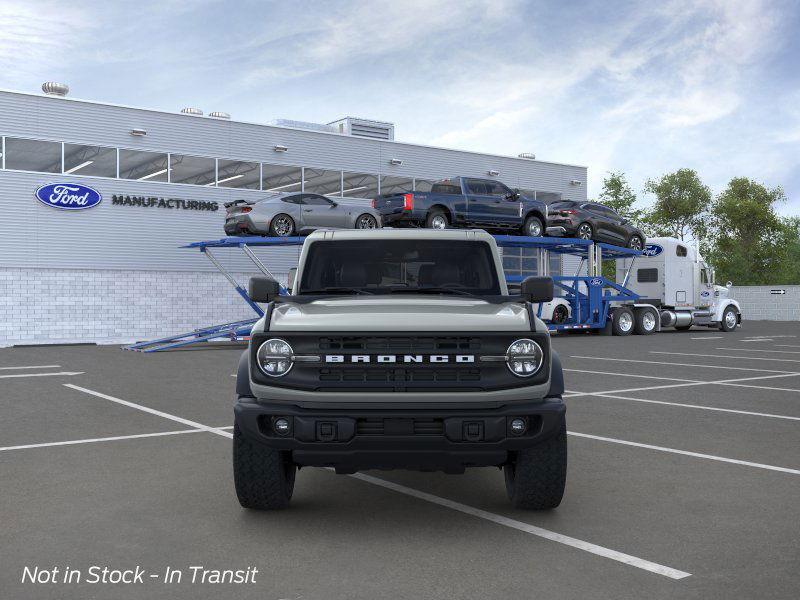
(445,439)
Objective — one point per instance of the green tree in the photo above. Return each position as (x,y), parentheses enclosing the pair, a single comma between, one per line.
(618,195)
(681,205)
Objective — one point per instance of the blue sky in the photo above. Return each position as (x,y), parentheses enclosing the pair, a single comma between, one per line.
(641,87)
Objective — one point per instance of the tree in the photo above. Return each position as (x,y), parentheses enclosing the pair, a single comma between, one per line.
(750,243)
(681,205)
(618,195)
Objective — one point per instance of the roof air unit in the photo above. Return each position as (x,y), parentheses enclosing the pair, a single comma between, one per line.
(219,115)
(192,111)
(376,130)
(51,88)
(527,155)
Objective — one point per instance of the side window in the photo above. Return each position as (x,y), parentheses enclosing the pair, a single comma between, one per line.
(444,187)
(495,188)
(704,276)
(681,251)
(315,200)
(292,200)
(647,275)
(476,186)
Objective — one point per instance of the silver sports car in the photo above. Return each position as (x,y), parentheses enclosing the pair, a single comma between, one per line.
(285,214)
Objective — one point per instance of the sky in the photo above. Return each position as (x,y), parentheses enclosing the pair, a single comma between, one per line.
(639,87)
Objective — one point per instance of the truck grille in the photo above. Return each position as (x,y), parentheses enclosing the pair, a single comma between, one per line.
(384,375)
(404,345)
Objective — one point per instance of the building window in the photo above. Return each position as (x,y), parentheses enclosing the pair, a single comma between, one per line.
(237,174)
(96,161)
(321,181)
(144,166)
(359,185)
(33,155)
(194,170)
(396,185)
(280,178)
(423,185)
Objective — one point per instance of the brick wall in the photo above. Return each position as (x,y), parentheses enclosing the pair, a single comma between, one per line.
(47,306)
(758,303)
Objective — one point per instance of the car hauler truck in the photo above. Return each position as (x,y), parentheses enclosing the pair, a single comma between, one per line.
(671,276)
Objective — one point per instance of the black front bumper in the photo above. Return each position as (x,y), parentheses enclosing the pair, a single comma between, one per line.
(442,439)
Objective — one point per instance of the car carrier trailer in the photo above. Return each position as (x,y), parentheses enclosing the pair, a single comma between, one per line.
(638,304)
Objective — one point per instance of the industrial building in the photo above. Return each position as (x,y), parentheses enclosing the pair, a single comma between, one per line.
(116,272)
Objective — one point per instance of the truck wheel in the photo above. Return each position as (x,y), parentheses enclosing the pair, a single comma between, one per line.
(623,322)
(729,320)
(645,322)
(437,219)
(264,477)
(560,314)
(533,227)
(281,226)
(536,477)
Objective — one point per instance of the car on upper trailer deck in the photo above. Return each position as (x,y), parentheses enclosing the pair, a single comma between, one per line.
(594,221)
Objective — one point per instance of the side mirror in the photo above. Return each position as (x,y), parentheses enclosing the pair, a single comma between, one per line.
(263,289)
(334,204)
(537,289)
(291,278)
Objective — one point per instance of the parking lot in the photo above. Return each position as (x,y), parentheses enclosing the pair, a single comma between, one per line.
(684,478)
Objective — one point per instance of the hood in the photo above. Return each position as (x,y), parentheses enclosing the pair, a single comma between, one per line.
(398,313)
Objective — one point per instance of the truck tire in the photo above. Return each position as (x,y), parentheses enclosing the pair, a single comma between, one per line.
(560,314)
(533,227)
(622,322)
(729,319)
(264,477)
(437,219)
(645,321)
(536,477)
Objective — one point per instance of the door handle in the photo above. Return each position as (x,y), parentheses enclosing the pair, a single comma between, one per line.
(307,210)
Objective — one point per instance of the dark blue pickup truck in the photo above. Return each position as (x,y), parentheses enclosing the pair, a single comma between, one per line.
(465,202)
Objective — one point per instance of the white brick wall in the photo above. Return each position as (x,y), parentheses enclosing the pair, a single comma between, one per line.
(758,303)
(46,306)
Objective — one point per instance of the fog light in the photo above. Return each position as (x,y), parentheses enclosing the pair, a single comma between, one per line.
(281,426)
(518,426)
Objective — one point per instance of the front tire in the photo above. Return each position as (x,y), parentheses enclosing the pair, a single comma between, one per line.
(729,320)
(366,221)
(635,243)
(533,227)
(264,477)
(584,232)
(536,476)
(281,226)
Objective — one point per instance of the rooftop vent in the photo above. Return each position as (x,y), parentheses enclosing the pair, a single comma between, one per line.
(219,115)
(51,88)
(303,125)
(192,111)
(527,155)
(377,130)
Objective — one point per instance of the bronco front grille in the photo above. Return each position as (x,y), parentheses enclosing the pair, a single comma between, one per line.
(397,344)
(394,375)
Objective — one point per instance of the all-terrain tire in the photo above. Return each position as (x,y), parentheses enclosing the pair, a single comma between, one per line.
(263,476)
(536,478)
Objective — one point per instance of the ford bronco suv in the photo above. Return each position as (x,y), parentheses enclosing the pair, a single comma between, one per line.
(399,349)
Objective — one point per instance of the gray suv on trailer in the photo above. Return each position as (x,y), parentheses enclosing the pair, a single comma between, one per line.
(400,349)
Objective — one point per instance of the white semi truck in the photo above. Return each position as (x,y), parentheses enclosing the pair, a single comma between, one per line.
(673,278)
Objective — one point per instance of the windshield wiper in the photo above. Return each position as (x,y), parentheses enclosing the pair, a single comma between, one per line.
(336,289)
(435,290)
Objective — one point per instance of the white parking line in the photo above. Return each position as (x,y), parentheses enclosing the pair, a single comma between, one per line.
(152,411)
(759,350)
(31,367)
(655,362)
(793,360)
(627,559)
(618,374)
(698,406)
(65,373)
(519,525)
(687,453)
(787,346)
(708,337)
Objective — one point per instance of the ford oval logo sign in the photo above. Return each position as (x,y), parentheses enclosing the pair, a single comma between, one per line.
(68,196)
(705,294)
(652,250)
(596,281)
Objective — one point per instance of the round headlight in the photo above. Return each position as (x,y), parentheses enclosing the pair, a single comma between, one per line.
(524,357)
(274,357)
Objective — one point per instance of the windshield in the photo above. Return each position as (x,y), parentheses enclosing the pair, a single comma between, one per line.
(397,266)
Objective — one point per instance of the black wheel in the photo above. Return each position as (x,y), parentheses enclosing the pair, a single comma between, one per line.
(635,243)
(560,314)
(584,232)
(281,226)
(533,227)
(536,476)
(437,219)
(366,221)
(264,477)
(645,321)
(730,320)
(623,322)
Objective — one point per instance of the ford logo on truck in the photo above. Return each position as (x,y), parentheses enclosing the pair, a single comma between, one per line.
(652,250)
(68,196)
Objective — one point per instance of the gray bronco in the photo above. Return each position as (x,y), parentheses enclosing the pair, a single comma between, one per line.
(399,349)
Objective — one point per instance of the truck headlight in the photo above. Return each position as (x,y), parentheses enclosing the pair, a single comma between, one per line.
(524,357)
(274,357)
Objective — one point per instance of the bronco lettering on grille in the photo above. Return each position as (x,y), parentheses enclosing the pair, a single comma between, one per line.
(397,358)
